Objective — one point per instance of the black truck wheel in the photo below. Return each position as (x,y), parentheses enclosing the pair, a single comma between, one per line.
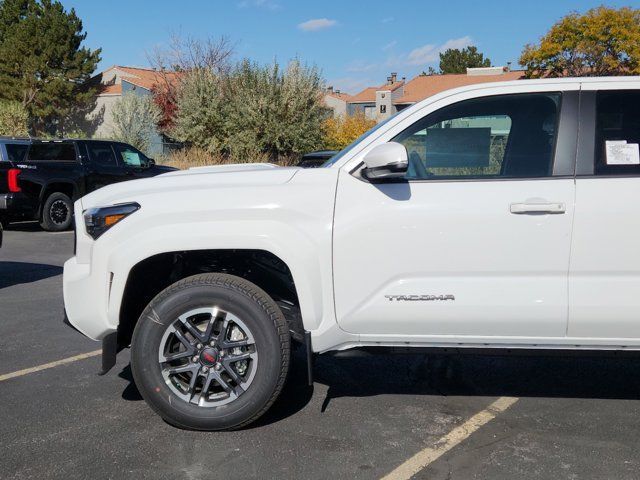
(57,213)
(211,352)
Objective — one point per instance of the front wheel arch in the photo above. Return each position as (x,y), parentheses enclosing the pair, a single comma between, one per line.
(69,189)
(262,268)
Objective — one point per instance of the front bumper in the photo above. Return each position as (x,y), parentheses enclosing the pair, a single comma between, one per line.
(109,347)
(84,300)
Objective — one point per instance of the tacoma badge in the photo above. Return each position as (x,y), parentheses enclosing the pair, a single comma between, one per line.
(419,298)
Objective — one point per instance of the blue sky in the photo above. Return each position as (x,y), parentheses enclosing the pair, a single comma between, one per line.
(355,44)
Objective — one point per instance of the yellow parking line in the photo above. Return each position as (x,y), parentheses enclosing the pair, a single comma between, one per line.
(45,366)
(456,436)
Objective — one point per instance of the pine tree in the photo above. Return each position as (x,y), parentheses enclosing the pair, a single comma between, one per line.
(43,64)
(457,61)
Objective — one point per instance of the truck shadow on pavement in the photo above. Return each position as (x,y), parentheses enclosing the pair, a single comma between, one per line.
(14,273)
(595,377)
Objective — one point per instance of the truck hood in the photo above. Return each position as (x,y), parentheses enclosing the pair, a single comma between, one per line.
(236,167)
(201,178)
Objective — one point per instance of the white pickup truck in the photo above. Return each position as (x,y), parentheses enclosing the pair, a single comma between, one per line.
(496,216)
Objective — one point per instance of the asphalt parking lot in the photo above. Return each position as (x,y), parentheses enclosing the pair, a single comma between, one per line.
(434,417)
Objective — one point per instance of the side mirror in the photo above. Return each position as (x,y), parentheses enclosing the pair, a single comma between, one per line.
(386,161)
(150,162)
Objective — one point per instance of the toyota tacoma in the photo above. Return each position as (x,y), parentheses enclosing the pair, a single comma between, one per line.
(498,216)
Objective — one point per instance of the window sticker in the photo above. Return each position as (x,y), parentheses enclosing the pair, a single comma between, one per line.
(458,147)
(619,152)
(132,158)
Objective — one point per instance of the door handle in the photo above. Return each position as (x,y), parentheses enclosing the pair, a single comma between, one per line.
(537,208)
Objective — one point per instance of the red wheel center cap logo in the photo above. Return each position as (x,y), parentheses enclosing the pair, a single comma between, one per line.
(209,356)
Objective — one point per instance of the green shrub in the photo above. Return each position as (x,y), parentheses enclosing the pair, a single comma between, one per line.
(252,110)
(134,120)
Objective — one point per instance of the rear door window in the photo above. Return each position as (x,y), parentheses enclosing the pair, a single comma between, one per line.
(617,133)
(52,152)
(16,152)
(102,154)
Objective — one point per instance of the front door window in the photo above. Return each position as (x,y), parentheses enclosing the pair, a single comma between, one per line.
(131,157)
(508,136)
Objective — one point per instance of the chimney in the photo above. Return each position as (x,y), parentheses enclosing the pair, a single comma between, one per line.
(330,89)
(404,79)
(394,77)
(338,92)
(508,66)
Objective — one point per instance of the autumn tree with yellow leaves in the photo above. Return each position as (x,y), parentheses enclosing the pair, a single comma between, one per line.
(341,131)
(602,42)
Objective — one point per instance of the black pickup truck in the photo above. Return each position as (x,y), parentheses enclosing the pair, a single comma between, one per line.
(40,179)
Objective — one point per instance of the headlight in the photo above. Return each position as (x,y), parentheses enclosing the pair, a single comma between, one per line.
(100,219)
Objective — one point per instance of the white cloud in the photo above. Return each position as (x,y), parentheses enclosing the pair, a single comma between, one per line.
(387,20)
(365,74)
(430,53)
(360,66)
(390,45)
(316,24)
(266,4)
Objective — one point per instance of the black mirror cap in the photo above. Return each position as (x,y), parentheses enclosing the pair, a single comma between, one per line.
(392,171)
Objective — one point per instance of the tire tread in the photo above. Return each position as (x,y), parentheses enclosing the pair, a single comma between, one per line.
(252,292)
(45,221)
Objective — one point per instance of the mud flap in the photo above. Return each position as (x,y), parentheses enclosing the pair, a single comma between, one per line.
(109,352)
(310,357)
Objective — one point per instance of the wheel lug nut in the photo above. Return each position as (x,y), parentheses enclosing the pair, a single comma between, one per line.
(194,359)
(199,346)
(205,369)
(213,343)
(218,367)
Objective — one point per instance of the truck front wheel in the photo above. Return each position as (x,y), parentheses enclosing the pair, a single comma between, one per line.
(57,213)
(210,352)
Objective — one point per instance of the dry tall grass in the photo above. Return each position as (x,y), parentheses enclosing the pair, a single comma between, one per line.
(199,157)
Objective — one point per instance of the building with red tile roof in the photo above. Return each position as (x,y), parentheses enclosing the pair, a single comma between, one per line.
(114,83)
(337,101)
(366,100)
(368,95)
(383,101)
(425,86)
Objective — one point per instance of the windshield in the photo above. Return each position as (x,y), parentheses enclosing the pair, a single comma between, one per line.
(348,148)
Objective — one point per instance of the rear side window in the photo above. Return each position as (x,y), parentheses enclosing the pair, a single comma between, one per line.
(52,152)
(101,154)
(16,152)
(510,136)
(617,133)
